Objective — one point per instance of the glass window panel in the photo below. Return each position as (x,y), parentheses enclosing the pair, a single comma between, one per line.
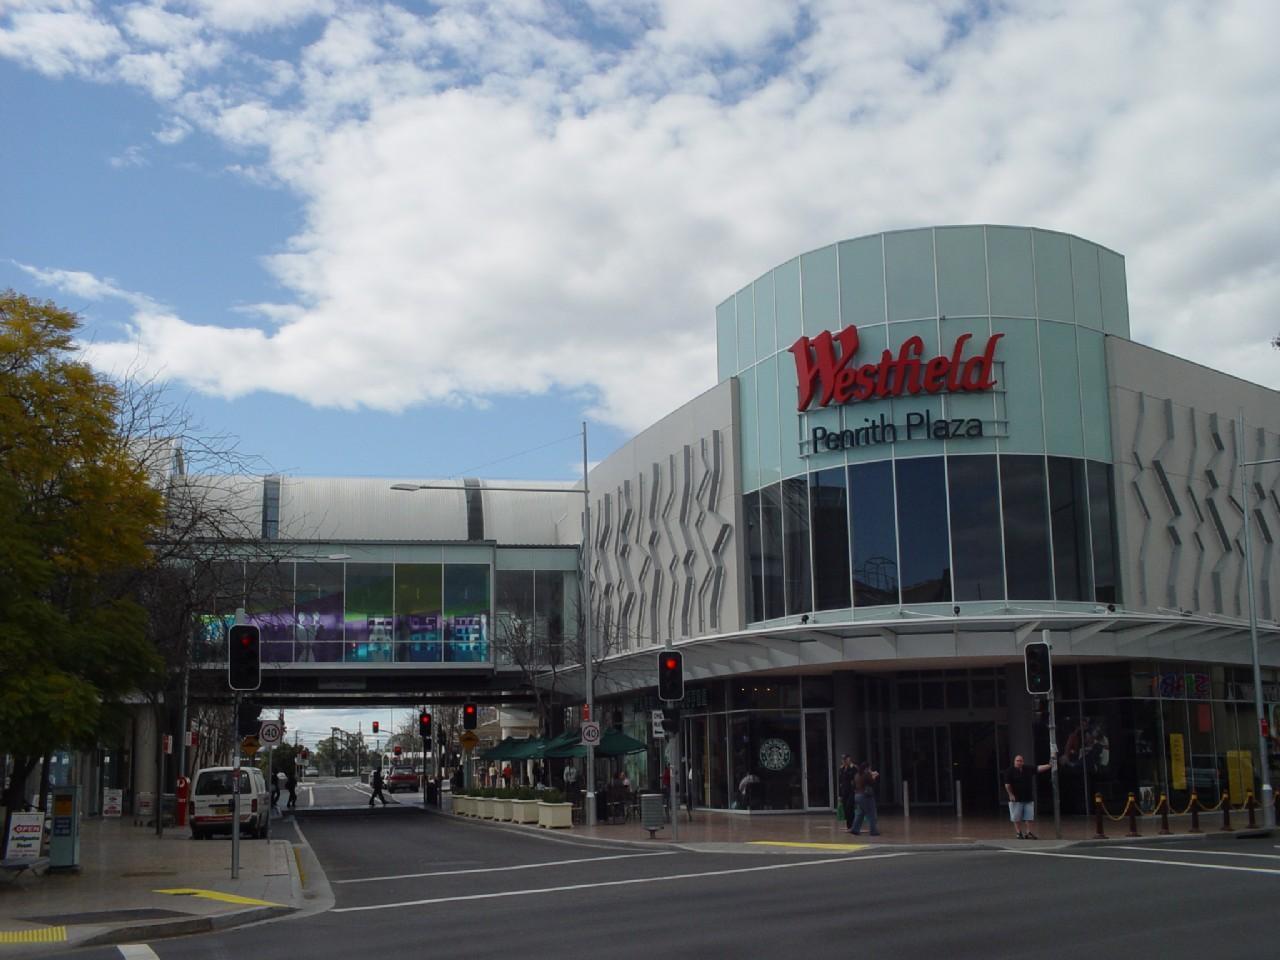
(818,691)
(962,271)
(220,589)
(726,341)
(819,295)
(466,612)
(269,604)
(513,615)
(744,309)
(1053,276)
(771,538)
(924,546)
(1085,283)
(755,557)
(862,281)
(874,534)
(1094,405)
(765,320)
(550,596)
(958,693)
(1060,379)
(785,282)
(318,601)
(768,419)
(931,695)
(1013,291)
(909,276)
(1115,298)
(829,523)
(1069,519)
(749,420)
(909,412)
(370,612)
(419,625)
(1106,583)
(974,491)
(1026,528)
(1018,374)
(976,406)
(795,535)
(873,341)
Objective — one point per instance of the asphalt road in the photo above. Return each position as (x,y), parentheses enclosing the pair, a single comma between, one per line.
(412,884)
(327,792)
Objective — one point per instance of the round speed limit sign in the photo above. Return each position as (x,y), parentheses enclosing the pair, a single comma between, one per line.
(270,733)
(591,733)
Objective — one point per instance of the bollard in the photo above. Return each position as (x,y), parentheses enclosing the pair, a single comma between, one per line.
(1251,805)
(1226,811)
(1132,809)
(1097,810)
(1164,816)
(1194,807)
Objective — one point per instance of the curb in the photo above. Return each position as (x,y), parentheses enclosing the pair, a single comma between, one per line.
(161,929)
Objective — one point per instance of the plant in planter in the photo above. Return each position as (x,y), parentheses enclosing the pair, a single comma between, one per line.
(502,803)
(524,805)
(553,812)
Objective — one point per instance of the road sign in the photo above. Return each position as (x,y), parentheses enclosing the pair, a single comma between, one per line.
(269,733)
(468,740)
(249,745)
(166,743)
(656,717)
(591,733)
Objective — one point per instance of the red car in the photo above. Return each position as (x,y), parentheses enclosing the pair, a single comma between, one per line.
(401,778)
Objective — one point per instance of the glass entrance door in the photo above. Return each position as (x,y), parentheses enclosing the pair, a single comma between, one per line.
(926,763)
(817,759)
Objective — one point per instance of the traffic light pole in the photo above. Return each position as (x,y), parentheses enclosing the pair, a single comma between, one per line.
(235,788)
(1053,755)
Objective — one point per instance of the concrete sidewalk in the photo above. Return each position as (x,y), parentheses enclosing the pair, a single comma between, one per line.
(729,830)
(133,886)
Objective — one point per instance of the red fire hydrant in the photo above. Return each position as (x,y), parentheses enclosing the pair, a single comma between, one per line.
(182,795)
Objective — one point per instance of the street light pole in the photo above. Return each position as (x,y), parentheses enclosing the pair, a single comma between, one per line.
(1268,797)
(589,631)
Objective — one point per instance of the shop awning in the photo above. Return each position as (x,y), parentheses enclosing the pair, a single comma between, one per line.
(613,743)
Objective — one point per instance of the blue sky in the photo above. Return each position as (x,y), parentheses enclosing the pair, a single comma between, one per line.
(412,240)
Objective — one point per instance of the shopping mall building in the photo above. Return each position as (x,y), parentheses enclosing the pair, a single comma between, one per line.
(925,448)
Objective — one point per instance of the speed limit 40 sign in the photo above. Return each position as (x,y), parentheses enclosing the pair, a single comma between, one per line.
(269,733)
(590,733)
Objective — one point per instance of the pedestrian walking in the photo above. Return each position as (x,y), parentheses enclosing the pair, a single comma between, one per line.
(1020,785)
(291,784)
(276,782)
(376,783)
(864,799)
(847,772)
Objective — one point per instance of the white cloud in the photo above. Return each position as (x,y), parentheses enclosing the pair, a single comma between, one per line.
(56,38)
(499,199)
(78,283)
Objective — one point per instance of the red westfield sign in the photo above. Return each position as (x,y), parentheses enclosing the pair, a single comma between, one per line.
(825,369)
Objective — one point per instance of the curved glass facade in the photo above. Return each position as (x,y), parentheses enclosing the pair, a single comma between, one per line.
(953,529)
(924,419)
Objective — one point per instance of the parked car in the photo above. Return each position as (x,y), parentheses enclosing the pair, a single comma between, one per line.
(211,800)
(401,778)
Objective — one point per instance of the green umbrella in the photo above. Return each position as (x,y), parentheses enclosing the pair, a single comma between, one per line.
(615,743)
(500,751)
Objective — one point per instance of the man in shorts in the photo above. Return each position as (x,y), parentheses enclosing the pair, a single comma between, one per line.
(1020,785)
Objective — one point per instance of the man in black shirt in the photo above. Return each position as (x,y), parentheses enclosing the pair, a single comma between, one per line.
(1020,785)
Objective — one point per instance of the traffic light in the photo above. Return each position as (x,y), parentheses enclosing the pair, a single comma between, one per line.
(670,676)
(468,716)
(375,726)
(244,657)
(1039,673)
(424,725)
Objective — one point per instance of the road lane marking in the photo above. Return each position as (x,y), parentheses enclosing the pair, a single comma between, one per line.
(1210,851)
(36,935)
(826,861)
(136,951)
(216,895)
(1157,863)
(519,866)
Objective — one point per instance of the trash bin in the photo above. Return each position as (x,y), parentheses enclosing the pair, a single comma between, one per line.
(169,808)
(184,797)
(653,812)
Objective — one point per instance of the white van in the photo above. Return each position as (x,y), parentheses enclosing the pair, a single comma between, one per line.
(211,802)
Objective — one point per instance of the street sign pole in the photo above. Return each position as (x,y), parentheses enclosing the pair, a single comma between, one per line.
(1053,753)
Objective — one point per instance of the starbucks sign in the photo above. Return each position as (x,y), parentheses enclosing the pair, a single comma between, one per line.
(775,754)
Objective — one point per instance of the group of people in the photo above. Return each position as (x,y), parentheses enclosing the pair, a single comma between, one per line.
(858,795)
(281,782)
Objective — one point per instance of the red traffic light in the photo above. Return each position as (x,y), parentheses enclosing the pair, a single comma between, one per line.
(671,663)
(468,716)
(471,709)
(375,726)
(396,750)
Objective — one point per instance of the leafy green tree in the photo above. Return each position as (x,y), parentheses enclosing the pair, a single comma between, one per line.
(78,512)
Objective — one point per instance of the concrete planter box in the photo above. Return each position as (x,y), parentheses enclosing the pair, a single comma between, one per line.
(524,811)
(489,808)
(465,806)
(503,809)
(555,816)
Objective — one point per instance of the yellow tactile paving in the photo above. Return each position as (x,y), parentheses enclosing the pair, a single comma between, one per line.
(42,935)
